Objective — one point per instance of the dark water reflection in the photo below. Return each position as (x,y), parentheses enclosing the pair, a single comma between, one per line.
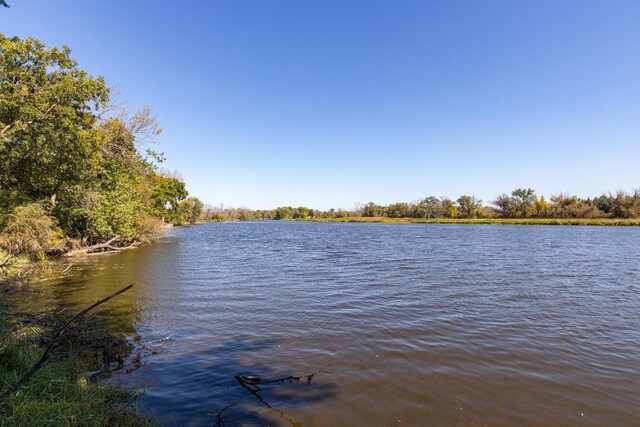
(419,324)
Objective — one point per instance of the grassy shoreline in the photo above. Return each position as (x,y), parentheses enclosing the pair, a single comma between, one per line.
(503,221)
(61,392)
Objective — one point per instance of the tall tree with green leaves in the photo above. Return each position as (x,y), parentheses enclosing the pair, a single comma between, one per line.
(523,199)
(49,141)
(166,194)
(190,209)
(469,206)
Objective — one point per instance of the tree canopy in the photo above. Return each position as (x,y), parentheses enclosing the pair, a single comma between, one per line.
(64,147)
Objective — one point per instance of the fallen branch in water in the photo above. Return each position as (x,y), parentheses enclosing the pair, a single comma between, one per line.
(113,244)
(250,381)
(47,352)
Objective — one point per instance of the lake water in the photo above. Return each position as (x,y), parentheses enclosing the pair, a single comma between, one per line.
(417,324)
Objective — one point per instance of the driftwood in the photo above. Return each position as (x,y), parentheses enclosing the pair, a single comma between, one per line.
(47,352)
(113,244)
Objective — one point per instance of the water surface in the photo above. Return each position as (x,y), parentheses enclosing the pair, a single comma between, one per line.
(418,324)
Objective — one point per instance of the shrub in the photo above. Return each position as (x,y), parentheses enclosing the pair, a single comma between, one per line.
(30,229)
(150,227)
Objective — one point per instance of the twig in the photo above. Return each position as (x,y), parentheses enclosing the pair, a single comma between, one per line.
(24,274)
(68,268)
(153,347)
(218,415)
(255,391)
(47,352)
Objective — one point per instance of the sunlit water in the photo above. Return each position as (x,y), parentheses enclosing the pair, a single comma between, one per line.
(418,324)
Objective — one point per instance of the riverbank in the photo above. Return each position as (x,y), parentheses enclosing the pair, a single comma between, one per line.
(503,221)
(61,392)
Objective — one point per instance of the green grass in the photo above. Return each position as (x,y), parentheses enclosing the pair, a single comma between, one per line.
(517,221)
(59,394)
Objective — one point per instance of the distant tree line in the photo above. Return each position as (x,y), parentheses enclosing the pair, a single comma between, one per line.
(75,168)
(520,203)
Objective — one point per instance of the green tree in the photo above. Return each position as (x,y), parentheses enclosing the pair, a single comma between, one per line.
(48,138)
(283,212)
(505,206)
(469,206)
(429,207)
(522,201)
(166,193)
(302,213)
(449,207)
(398,210)
(190,209)
(370,210)
(568,206)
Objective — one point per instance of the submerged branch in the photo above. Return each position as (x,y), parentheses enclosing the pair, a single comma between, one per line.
(250,382)
(253,381)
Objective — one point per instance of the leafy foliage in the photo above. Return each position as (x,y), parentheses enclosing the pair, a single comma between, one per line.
(166,194)
(521,204)
(48,137)
(83,160)
(190,209)
(30,229)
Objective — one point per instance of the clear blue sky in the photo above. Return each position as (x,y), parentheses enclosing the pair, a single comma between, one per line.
(328,103)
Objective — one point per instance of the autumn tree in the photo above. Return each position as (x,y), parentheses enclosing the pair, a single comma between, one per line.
(541,208)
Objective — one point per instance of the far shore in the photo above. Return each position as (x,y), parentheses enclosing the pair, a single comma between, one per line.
(504,221)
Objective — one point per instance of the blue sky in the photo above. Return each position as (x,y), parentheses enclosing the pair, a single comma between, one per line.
(328,103)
